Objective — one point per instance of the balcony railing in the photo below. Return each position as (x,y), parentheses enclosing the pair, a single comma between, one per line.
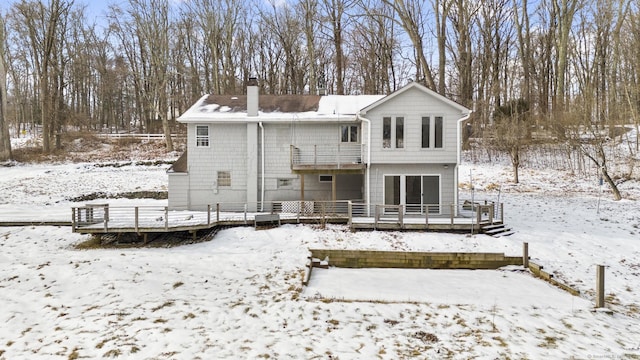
(339,156)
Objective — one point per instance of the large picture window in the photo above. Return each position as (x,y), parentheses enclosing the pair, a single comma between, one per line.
(202,135)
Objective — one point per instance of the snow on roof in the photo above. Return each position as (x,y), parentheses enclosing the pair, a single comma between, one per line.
(278,107)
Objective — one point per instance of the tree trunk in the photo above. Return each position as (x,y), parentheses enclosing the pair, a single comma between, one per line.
(5,139)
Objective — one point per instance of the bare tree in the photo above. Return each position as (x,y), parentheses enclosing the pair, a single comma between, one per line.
(411,16)
(42,24)
(511,132)
(5,140)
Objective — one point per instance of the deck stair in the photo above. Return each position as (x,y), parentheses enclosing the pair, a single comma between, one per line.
(496,229)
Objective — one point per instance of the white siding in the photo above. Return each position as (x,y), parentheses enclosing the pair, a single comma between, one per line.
(178,191)
(227,151)
(447,180)
(413,105)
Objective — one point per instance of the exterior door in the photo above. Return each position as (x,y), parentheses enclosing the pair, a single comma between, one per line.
(416,192)
(431,194)
(413,194)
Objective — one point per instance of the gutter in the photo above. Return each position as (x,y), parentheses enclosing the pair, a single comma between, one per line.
(367,163)
(262,165)
(459,158)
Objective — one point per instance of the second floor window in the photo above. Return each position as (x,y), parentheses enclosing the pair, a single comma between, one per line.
(349,133)
(432,132)
(393,132)
(202,135)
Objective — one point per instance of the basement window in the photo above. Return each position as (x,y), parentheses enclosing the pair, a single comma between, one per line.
(224,178)
(325,178)
(284,183)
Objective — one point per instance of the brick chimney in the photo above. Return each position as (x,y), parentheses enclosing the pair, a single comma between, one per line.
(253,97)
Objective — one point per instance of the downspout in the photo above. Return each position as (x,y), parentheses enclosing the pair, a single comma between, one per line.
(459,158)
(367,164)
(262,166)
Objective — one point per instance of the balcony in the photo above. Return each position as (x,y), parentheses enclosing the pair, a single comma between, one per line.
(331,158)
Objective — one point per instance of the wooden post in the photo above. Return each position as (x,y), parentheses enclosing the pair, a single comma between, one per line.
(451,209)
(302,187)
(217,212)
(491,214)
(426,217)
(376,217)
(245,214)
(401,216)
(525,255)
(350,212)
(334,187)
(208,214)
(73,219)
(136,218)
(166,218)
(599,286)
(502,213)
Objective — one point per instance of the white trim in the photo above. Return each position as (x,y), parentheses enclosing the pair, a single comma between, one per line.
(421,88)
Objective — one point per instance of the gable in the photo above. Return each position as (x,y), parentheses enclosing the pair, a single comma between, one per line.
(414,87)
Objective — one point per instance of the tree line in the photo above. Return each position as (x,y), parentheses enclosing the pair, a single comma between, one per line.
(559,68)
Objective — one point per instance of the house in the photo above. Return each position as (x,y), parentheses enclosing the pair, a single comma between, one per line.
(399,149)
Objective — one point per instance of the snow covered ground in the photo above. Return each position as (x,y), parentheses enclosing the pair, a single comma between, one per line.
(239,296)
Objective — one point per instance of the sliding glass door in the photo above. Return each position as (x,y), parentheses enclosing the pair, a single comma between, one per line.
(416,192)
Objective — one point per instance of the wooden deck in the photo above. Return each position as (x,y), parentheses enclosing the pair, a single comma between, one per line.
(103,219)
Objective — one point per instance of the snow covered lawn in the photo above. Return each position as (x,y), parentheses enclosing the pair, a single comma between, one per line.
(240,295)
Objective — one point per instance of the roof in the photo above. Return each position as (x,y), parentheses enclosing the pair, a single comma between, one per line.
(180,165)
(275,108)
(278,108)
(422,88)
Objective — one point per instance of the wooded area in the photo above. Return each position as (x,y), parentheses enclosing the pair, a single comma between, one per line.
(560,70)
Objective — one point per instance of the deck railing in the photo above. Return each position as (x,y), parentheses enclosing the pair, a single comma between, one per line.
(335,154)
(105,218)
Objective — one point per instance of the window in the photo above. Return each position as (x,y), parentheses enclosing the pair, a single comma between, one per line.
(386,132)
(426,128)
(284,183)
(224,178)
(399,132)
(438,132)
(349,133)
(325,178)
(202,135)
(393,128)
(432,132)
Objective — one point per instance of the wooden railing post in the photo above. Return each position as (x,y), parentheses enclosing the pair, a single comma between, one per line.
(350,212)
(208,214)
(218,212)
(426,216)
(166,218)
(245,214)
(525,255)
(401,216)
(105,213)
(73,219)
(491,214)
(136,212)
(376,217)
(452,212)
(502,213)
